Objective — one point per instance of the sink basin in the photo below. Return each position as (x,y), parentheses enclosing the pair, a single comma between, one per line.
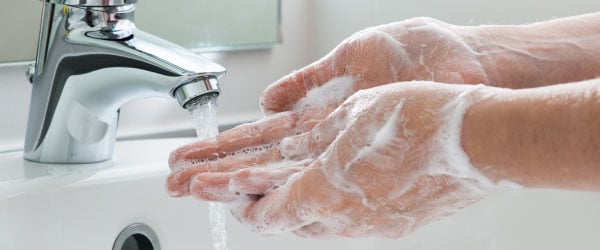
(56,207)
(85,207)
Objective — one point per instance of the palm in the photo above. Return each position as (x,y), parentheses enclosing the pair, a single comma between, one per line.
(406,51)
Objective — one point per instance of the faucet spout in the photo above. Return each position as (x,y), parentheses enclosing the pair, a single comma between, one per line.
(90,61)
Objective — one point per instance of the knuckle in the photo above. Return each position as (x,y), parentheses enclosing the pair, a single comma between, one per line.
(242,174)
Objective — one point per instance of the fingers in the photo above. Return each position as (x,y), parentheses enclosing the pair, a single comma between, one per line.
(212,187)
(289,207)
(249,183)
(207,155)
(178,183)
(313,116)
(314,142)
(285,93)
(274,213)
(252,136)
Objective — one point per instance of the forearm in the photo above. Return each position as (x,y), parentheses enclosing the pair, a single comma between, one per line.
(541,137)
(551,52)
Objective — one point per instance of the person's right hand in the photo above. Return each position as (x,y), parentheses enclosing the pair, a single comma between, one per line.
(387,161)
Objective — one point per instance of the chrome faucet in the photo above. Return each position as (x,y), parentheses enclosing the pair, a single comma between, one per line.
(90,61)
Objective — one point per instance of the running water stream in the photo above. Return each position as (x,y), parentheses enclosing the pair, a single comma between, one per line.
(204,113)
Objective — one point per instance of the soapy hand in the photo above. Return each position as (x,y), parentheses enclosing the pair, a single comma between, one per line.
(329,160)
(244,164)
(385,162)
(415,49)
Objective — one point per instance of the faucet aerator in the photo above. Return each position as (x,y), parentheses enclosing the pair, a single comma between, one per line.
(196,88)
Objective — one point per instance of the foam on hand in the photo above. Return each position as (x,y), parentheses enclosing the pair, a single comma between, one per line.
(449,157)
(370,151)
(333,91)
(403,174)
(386,142)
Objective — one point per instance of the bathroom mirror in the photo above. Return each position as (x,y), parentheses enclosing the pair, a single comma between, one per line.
(200,25)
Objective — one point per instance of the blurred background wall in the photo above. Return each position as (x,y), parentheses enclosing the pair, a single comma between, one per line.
(309,29)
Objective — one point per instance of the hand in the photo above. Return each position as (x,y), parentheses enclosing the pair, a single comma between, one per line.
(509,56)
(387,161)
(415,49)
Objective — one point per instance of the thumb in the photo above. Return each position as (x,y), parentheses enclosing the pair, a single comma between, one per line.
(287,208)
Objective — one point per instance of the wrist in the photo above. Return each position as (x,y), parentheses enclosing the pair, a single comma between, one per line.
(510,57)
(481,146)
(539,137)
(449,139)
(541,54)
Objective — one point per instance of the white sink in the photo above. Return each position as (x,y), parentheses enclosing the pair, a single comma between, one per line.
(85,207)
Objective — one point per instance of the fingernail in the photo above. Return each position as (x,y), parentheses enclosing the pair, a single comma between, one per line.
(175,187)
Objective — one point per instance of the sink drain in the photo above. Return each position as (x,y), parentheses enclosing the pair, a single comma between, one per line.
(137,237)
